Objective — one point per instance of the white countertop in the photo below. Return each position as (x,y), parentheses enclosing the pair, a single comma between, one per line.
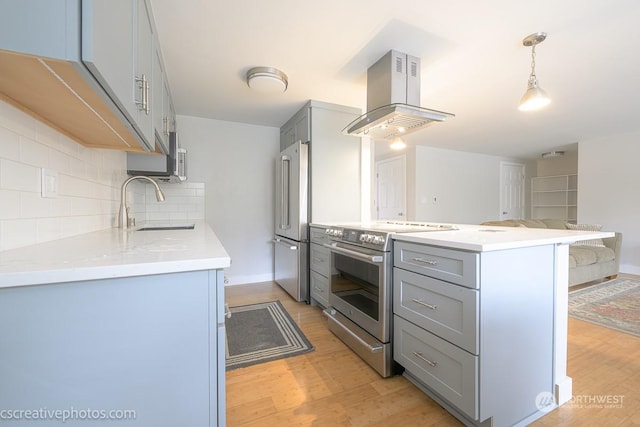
(112,253)
(481,238)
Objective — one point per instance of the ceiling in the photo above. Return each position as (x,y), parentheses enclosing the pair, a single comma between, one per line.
(472,58)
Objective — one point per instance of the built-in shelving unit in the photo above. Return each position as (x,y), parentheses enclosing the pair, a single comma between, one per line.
(555,197)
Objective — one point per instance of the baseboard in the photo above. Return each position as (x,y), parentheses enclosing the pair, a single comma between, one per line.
(245,280)
(630,269)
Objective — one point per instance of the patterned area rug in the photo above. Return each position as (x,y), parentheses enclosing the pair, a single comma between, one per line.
(614,304)
(260,333)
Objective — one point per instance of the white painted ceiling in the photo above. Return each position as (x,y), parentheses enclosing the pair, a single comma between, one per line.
(473,63)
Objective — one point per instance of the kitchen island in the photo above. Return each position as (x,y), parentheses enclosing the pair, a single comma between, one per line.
(480,319)
(125,326)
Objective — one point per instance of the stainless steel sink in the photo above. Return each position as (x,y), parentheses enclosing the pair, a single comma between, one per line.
(168,227)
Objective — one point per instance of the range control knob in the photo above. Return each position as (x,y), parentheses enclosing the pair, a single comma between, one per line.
(378,240)
(333,232)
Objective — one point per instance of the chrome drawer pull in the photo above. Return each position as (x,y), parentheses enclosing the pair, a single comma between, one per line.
(426,261)
(427,361)
(417,301)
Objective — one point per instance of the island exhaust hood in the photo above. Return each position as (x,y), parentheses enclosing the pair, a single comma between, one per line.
(393,96)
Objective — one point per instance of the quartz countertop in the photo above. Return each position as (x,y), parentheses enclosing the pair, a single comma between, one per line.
(113,253)
(481,238)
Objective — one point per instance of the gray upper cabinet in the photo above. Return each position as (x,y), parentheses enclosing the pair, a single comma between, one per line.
(85,68)
(164,116)
(109,54)
(296,129)
(143,60)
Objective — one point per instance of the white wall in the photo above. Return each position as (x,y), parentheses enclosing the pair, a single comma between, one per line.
(236,163)
(465,186)
(88,183)
(609,191)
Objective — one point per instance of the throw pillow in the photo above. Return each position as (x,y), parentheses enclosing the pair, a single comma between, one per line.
(586,227)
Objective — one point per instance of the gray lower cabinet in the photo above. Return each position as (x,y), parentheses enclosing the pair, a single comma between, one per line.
(474,330)
(319,267)
(151,345)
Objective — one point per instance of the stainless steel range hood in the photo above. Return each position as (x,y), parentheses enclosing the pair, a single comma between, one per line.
(393,96)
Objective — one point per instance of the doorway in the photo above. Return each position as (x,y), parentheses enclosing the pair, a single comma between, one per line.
(390,195)
(511,190)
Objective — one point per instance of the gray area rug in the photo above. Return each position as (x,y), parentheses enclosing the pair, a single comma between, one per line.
(260,333)
(614,304)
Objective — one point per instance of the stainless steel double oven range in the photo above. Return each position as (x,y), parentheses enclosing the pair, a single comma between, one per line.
(360,294)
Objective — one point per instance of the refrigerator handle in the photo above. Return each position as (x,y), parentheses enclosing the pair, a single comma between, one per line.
(280,242)
(285,179)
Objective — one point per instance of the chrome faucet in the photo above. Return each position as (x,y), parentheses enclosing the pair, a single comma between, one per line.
(124,221)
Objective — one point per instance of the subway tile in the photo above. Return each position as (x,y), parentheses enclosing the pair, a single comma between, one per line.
(9,144)
(59,161)
(17,233)
(9,204)
(19,122)
(47,135)
(48,229)
(60,206)
(34,153)
(32,205)
(18,176)
(84,207)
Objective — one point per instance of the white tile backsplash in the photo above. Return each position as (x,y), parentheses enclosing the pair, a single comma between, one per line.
(183,202)
(89,183)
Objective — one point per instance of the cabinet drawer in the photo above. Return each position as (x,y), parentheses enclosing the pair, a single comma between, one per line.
(446,264)
(441,366)
(319,236)
(449,311)
(319,288)
(319,259)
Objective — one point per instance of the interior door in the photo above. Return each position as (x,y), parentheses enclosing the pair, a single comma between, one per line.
(390,189)
(511,190)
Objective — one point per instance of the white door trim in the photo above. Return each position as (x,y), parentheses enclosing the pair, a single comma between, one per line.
(403,159)
(522,183)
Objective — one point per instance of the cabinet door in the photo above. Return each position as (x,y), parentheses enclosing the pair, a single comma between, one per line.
(159,118)
(287,137)
(107,48)
(302,130)
(143,61)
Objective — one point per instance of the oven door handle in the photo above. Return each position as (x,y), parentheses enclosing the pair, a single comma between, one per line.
(371,259)
(329,312)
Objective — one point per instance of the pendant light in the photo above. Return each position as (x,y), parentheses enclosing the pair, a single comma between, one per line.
(534,98)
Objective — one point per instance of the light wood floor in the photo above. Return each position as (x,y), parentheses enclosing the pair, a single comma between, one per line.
(331,386)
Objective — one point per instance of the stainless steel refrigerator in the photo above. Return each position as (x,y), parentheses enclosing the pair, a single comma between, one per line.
(292,221)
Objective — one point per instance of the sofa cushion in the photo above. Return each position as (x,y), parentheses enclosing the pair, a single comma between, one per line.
(587,227)
(559,224)
(603,254)
(504,223)
(532,223)
(581,255)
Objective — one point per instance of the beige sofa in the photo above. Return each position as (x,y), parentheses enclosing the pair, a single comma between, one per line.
(586,262)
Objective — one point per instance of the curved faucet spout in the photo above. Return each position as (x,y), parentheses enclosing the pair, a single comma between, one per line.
(123,214)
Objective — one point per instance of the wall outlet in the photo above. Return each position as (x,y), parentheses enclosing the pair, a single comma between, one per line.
(49,183)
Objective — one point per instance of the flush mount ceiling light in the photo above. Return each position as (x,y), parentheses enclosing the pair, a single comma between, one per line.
(550,154)
(534,98)
(267,80)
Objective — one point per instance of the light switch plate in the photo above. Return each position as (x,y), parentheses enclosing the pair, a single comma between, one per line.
(49,183)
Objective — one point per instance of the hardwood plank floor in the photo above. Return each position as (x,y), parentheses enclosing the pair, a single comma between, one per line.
(331,386)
